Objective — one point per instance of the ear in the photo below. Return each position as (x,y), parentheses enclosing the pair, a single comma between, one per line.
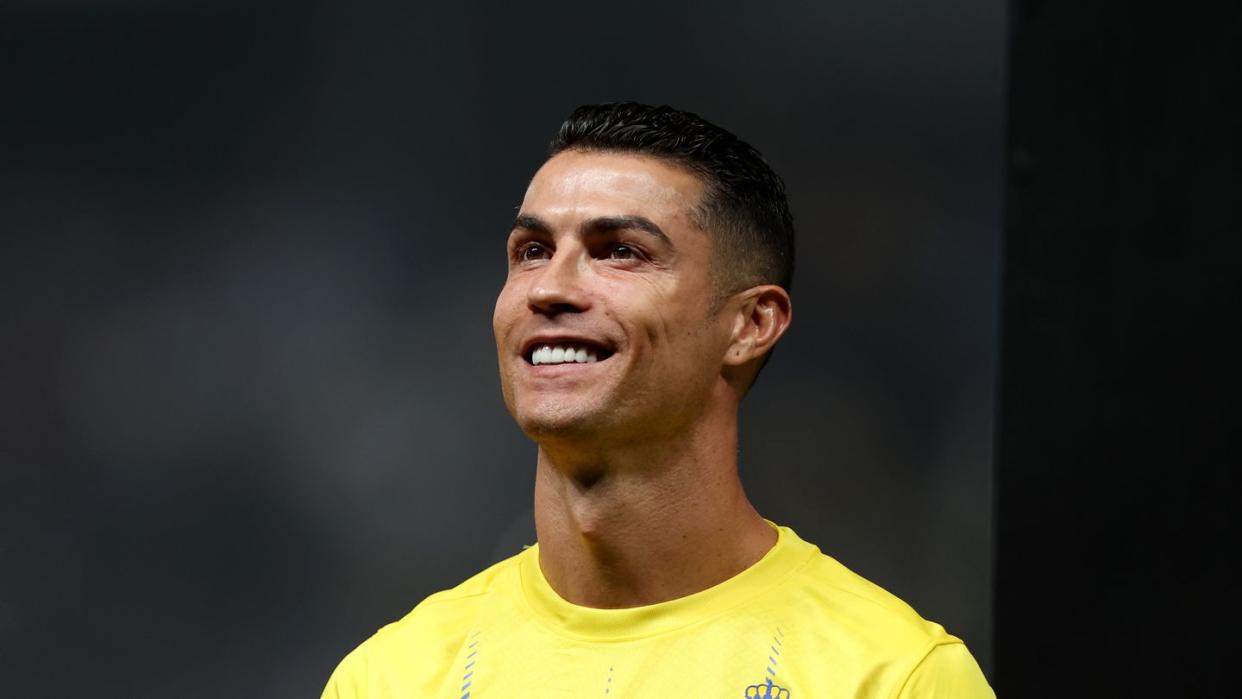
(762,316)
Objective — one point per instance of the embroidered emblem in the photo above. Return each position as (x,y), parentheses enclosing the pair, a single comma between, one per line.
(766,691)
(770,690)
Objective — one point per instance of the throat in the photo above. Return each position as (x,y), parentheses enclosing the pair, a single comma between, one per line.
(613,539)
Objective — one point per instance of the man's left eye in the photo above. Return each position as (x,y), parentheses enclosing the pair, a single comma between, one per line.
(622,252)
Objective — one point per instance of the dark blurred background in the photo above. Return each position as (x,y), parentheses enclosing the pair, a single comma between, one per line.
(1117,393)
(249,253)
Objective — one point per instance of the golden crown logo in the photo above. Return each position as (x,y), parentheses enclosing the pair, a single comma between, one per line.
(766,691)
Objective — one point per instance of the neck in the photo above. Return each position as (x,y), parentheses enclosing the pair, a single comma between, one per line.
(648,523)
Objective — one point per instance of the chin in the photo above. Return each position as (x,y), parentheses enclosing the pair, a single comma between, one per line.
(546,422)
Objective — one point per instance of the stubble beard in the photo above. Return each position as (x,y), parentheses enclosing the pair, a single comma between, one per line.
(553,419)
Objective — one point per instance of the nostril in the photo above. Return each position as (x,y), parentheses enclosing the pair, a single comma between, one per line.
(553,295)
(552,309)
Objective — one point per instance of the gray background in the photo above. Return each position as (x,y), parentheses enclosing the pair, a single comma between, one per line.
(249,403)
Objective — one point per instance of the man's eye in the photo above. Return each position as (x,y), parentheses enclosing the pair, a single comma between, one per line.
(622,252)
(532,251)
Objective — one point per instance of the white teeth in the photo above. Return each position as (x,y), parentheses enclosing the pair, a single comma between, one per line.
(562,354)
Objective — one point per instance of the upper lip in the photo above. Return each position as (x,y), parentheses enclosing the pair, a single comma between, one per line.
(561,339)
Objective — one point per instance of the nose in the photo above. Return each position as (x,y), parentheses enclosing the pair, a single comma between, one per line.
(559,287)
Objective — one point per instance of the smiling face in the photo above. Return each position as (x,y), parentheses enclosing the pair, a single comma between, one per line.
(607,269)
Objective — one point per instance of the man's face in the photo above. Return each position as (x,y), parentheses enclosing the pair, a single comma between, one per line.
(606,266)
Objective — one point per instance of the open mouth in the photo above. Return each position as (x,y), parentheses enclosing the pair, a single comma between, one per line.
(568,352)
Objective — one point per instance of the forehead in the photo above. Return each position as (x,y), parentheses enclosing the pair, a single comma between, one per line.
(580,184)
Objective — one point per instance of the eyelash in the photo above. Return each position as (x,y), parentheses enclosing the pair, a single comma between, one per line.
(519,253)
(636,253)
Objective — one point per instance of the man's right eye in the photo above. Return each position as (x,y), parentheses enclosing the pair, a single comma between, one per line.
(532,251)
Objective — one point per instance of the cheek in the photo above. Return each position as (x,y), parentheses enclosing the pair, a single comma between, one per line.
(503,313)
(680,330)
(696,337)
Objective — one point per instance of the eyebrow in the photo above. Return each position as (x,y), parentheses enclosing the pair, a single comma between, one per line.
(531,223)
(602,224)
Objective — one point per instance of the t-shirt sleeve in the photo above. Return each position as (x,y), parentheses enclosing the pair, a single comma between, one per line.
(948,670)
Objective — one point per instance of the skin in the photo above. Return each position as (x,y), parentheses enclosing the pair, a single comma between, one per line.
(637,495)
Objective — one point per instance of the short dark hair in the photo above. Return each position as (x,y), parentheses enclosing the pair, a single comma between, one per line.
(744,208)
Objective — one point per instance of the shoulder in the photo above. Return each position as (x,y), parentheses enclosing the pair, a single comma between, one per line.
(448,612)
(892,644)
(433,630)
(947,670)
(862,610)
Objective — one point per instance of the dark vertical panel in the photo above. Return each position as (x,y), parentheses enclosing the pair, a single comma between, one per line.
(1115,445)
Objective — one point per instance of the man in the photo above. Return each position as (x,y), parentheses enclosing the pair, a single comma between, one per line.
(649,274)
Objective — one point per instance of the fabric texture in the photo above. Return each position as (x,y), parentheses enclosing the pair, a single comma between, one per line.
(795,625)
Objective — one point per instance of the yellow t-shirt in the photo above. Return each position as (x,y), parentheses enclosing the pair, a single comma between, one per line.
(796,625)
